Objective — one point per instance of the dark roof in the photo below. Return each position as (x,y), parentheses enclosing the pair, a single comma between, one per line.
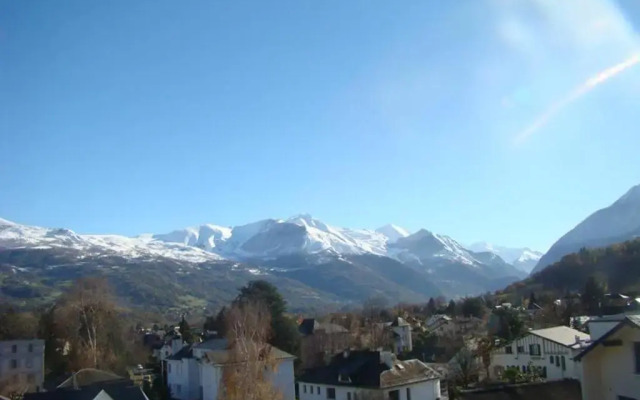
(632,321)
(557,390)
(89,376)
(211,344)
(122,389)
(309,326)
(365,369)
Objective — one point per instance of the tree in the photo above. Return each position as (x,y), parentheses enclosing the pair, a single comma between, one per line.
(593,295)
(284,330)
(217,323)
(451,308)
(251,358)
(89,309)
(16,325)
(431,307)
(473,307)
(185,330)
(375,308)
(465,366)
(510,325)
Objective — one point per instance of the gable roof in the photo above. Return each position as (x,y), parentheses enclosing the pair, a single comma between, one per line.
(562,335)
(89,376)
(118,390)
(221,356)
(365,369)
(211,344)
(309,326)
(632,321)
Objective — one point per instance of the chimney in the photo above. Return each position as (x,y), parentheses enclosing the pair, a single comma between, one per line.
(345,353)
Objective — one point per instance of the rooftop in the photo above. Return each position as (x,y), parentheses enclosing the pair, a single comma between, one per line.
(367,369)
(557,390)
(562,335)
(309,326)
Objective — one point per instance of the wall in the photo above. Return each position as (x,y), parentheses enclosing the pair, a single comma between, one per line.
(182,373)
(30,365)
(609,372)
(548,349)
(282,379)
(428,390)
(598,328)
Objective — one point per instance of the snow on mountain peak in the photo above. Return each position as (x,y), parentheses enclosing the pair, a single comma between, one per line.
(4,222)
(392,232)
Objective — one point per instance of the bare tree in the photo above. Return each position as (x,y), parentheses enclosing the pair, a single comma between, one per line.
(87,310)
(465,367)
(12,389)
(251,358)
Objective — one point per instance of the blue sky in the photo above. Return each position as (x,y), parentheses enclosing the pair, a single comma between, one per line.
(147,116)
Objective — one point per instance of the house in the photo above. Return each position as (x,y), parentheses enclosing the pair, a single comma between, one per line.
(611,363)
(320,340)
(22,364)
(92,384)
(139,375)
(401,331)
(195,371)
(443,325)
(550,350)
(359,375)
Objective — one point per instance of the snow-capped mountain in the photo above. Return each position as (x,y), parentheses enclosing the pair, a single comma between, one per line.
(614,224)
(524,259)
(16,236)
(392,232)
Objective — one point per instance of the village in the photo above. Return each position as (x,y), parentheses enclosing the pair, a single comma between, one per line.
(473,348)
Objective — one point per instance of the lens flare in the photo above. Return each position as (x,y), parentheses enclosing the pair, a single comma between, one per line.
(578,92)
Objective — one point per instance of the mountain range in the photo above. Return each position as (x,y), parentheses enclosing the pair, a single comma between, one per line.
(616,223)
(313,263)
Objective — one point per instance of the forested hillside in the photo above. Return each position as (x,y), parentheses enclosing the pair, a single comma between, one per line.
(617,266)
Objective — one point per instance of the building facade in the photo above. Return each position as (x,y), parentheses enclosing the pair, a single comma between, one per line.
(550,351)
(22,363)
(363,375)
(611,364)
(195,371)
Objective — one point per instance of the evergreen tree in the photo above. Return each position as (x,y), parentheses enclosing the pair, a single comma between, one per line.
(185,331)
(431,306)
(593,295)
(451,308)
(284,330)
(532,298)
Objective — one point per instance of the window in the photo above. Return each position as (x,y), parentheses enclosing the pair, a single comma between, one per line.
(318,387)
(544,372)
(304,388)
(551,360)
(557,361)
(534,349)
(348,395)
(178,388)
(201,392)
(30,348)
(169,367)
(520,349)
(331,393)
(28,362)
(636,352)
(344,378)
(508,350)
(311,389)
(408,393)
(524,369)
(394,395)
(14,364)
(14,348)
(564,366)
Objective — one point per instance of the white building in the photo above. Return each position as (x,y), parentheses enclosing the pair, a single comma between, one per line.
(22,363)
(611,364)
(359,375)
(195,371)
(550,351)
(401,331)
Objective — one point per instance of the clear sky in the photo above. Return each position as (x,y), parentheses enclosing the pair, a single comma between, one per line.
(140,116)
